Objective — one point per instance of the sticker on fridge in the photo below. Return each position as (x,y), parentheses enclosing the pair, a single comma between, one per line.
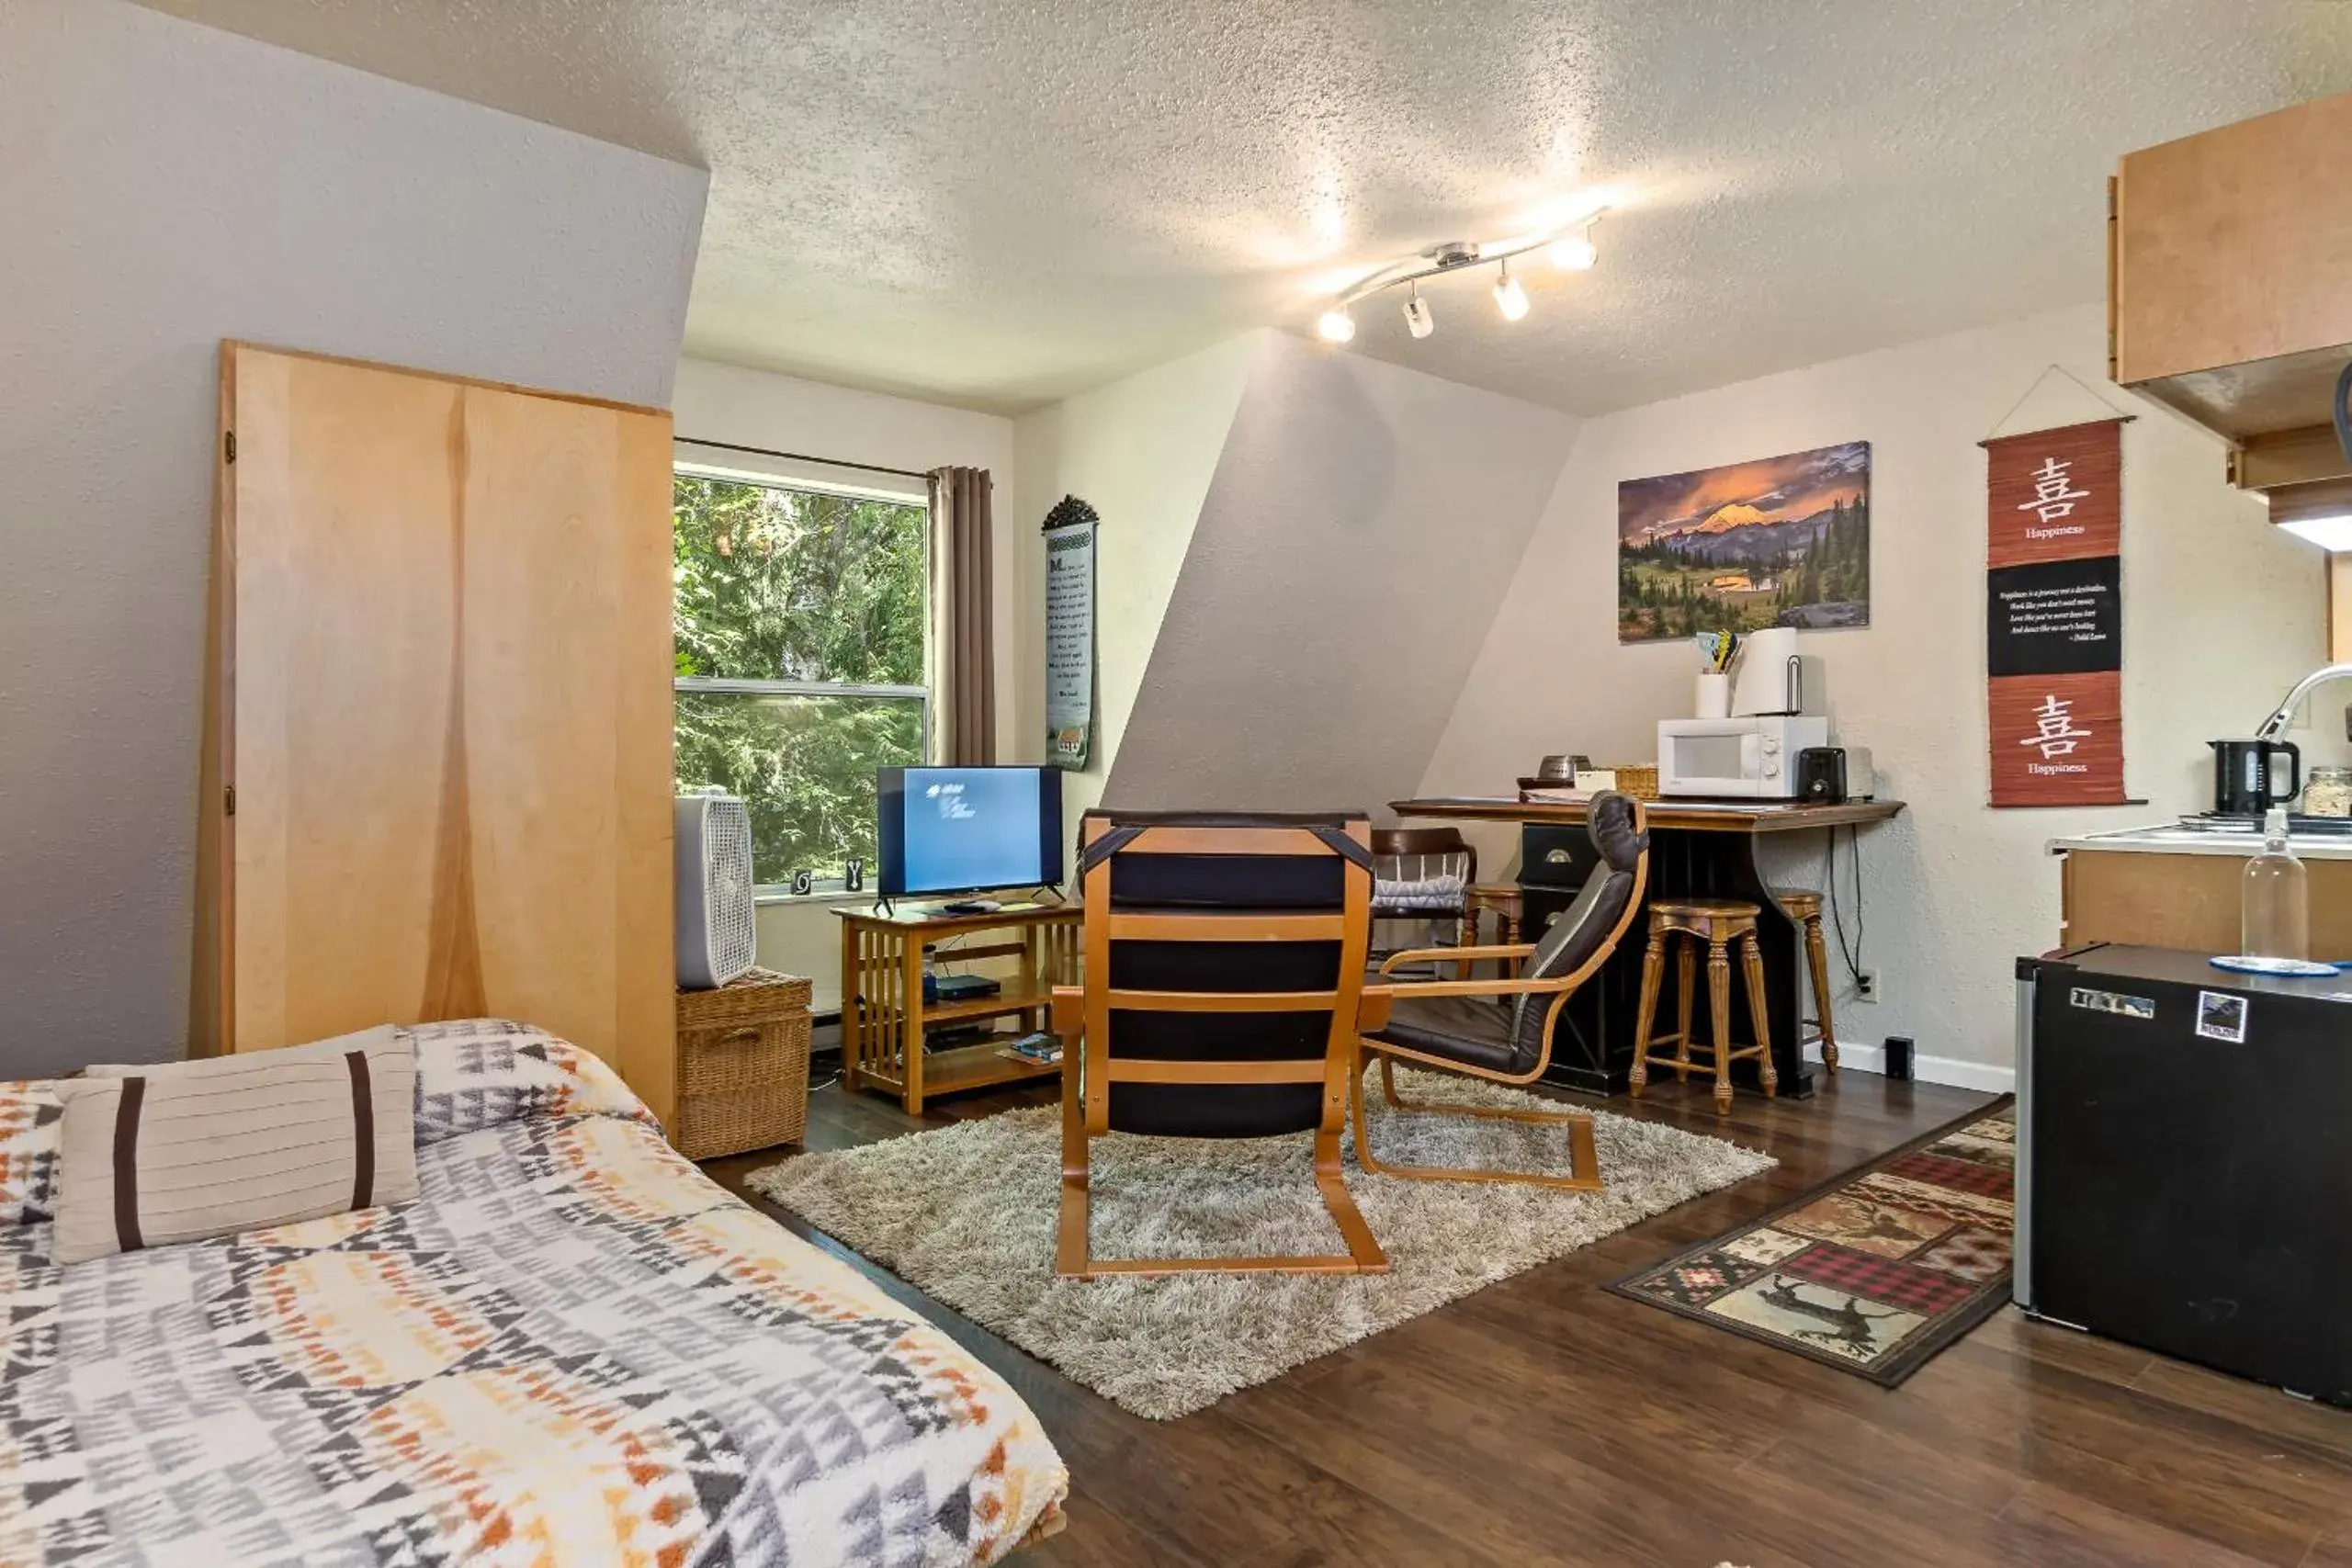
(2115,1002)
(2220,1016)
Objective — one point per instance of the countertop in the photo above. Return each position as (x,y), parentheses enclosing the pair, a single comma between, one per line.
(2170,839)
(1688,816)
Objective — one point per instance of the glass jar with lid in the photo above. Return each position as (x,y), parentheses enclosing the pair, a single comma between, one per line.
(2327,792)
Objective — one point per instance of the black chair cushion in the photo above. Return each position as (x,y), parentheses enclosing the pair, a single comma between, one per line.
(1473,1030)
(1227,882)
(1237,882)
(1580,928)
(1611,825)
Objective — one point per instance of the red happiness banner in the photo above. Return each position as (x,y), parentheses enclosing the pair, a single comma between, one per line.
(2053,615)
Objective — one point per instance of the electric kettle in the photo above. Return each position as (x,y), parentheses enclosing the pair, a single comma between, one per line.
(2252,776)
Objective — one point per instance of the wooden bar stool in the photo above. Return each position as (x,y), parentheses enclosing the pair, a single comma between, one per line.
(1721,925)
(1803,905)
(1503,900)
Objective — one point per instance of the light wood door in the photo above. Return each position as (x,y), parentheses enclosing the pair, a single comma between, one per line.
(444,636)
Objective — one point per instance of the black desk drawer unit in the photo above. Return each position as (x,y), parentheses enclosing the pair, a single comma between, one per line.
(1594,1048)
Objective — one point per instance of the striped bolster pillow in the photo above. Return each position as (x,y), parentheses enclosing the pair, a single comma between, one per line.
(208,1148)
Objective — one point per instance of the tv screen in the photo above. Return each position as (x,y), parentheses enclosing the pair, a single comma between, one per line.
(969,830)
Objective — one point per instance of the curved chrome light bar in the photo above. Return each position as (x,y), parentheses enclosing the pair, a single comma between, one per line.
(1572,241)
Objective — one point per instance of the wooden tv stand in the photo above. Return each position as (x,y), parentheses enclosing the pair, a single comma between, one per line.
(884,1015)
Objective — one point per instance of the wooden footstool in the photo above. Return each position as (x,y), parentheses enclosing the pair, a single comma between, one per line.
(1719,925)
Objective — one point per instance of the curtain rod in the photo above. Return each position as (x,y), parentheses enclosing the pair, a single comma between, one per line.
(803,457)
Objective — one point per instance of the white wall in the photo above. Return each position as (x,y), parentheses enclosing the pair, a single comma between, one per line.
(1142,452)
(166,186)
(754,408)
(2222,614)
(1364,525)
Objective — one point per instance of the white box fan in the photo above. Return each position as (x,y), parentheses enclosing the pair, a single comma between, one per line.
(718,934)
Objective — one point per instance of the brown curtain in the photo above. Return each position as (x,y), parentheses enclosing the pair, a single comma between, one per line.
(964,616)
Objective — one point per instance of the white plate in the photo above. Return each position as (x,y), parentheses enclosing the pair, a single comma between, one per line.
(2282,968)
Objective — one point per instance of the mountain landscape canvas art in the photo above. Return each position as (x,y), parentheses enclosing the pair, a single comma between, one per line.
(1779,542)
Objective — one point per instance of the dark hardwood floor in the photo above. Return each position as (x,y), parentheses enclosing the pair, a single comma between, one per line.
(1543,1421)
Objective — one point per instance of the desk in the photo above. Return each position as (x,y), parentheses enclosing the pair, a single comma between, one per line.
(885,1017)
(1698,850)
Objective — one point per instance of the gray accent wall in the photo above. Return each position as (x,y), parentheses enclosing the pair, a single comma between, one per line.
(166,186)
(1361,529)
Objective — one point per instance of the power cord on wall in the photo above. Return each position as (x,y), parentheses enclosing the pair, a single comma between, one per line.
(1851,954)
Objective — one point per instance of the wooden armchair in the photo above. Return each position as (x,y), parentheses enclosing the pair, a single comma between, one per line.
(1223,984)
(1501,1030)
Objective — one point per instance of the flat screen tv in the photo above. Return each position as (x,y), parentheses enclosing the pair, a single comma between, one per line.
(968,830)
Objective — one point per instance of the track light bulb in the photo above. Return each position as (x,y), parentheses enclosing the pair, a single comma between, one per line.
(1509,298)
(1575,254)
(1417,319)
(1335,325)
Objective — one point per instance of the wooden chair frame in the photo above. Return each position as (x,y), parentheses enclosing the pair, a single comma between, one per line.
(1082,1016)
(1583,1164)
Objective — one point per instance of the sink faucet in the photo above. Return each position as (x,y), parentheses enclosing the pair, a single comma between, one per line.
(2276,725)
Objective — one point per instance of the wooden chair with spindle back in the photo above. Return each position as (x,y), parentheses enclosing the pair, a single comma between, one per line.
(1424,873)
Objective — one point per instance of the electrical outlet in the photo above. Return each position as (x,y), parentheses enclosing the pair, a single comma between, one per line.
(1866,987)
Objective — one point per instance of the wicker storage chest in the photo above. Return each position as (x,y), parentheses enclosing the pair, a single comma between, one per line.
(742,1065)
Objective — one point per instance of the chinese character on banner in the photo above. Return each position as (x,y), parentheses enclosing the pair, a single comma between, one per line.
(2053,492)
(2054,730)
(2053,615)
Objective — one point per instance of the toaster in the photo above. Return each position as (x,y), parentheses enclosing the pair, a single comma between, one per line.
(1832,775)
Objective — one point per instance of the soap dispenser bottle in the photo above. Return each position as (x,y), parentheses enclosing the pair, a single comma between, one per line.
(2276,914)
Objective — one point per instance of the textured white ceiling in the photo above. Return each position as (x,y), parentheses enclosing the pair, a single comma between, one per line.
(998,202)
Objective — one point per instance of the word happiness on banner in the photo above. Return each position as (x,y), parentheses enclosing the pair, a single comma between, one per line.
(2054,616)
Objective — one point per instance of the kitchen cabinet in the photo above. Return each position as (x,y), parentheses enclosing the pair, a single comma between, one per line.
(2228,295)
(2166,889)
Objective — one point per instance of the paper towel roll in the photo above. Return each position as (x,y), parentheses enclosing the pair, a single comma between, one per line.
(1764,677)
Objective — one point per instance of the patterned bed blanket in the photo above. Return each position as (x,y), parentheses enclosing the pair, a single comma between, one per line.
(574,1349)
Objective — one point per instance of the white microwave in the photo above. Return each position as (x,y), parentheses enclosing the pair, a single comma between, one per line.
(1752,758)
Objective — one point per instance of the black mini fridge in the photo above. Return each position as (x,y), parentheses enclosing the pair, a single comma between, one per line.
(2185,1161)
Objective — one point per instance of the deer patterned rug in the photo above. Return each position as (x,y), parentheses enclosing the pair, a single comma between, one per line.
(1872,1273)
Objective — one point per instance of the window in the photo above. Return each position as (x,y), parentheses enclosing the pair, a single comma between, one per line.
(800,627)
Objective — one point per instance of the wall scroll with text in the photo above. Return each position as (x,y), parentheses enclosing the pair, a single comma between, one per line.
(1070,634)
(2053,615)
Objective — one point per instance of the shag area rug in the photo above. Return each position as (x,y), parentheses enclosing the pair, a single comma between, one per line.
(966,1215)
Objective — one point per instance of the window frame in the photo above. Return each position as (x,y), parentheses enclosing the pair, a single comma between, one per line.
(808,481)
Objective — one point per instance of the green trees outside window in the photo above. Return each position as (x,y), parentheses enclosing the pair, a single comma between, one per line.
(810,607)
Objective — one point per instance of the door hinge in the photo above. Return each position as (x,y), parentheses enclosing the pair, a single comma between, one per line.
(229,801)
(229,447)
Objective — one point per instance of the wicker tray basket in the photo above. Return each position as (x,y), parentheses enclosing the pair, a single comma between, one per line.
(1638,779)
(742,1065)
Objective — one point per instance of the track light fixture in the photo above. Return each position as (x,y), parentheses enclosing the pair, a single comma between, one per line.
(1510,298)
(1569,248)
(1417,319)
(1574,253)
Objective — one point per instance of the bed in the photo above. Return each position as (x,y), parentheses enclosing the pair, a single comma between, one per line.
(573,1349)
